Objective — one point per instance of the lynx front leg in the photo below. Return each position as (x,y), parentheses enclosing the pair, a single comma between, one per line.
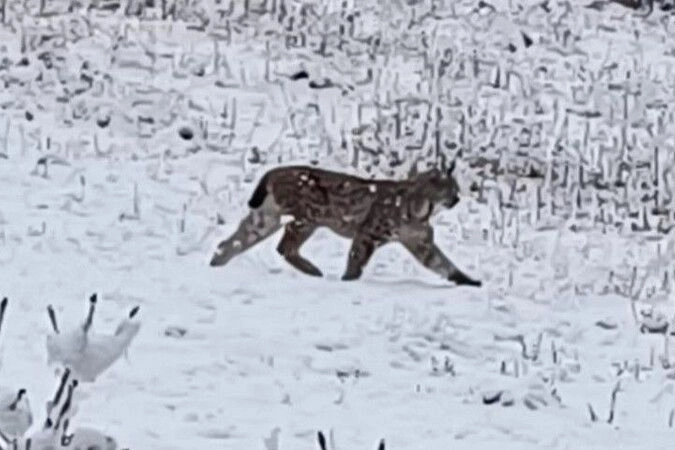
(421,244)
(253,228)
(295,234)
(360,253)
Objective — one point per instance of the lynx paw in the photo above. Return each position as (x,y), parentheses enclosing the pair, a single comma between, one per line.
(303,265)
(461,279)
(350,276)
(219,259)
(313,271)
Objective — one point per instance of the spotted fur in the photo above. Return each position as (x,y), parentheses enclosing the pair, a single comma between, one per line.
(371,213)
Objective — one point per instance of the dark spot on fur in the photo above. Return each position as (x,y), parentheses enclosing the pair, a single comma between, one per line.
(103,121)
(299,75)
(186,133)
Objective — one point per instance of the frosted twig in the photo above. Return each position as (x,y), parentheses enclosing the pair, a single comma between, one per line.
(4,437)
(633,279)
(52,319)
(651,357)
(136,215)
(666,348)
(323,444)
(633,310)
(19,395)
(66,404)
(88,353)
(612,403)
(536,348)
(519,338)
(594,417)
(556,395)
(57,396)
(322,440)
(181,224)
(137,206)
(90,315)
(3,307)
(134,311)
(66,439)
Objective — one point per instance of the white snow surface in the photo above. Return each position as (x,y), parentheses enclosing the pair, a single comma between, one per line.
(263,343)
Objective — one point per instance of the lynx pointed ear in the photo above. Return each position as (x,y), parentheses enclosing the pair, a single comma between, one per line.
(443,162)
(451,168)
(415,168)
(413,172)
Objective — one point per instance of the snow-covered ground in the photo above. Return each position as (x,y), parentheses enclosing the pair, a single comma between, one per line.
(225,356)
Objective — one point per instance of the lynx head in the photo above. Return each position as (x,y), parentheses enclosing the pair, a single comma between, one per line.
(438,185)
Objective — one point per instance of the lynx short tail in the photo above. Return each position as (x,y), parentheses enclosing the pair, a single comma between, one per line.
(260,193)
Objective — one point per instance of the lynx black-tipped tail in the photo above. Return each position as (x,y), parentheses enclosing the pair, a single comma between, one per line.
(259,194)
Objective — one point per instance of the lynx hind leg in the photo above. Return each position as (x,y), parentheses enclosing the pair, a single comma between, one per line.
(296,233)
(361,251)
(420,244)
(256,226)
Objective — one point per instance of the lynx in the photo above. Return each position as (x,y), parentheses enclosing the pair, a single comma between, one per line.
(371,213)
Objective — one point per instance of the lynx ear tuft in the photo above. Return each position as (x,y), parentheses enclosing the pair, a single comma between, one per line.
(443,162)
(413,172)
(451,168)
